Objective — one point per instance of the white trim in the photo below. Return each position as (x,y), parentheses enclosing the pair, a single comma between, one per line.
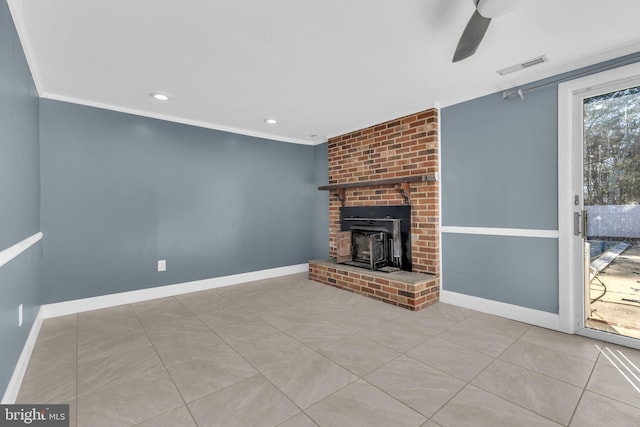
(112,300)
(510,311)
(11,393)
(512,232)
(570,255)
(568,315)
(440,269)
(15,250)
(17,14)
(176,119)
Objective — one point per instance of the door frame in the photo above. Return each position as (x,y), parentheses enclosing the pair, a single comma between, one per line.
(570,249)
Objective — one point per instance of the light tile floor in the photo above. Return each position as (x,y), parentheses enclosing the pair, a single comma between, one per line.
(292,352)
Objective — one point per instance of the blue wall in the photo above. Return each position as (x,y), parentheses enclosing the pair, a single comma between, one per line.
(515,270)
(500,170)
(114,192)
(19,195)
(499,162)
(121,191)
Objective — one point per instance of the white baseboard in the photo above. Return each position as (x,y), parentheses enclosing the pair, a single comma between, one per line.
(11,393)
(112,300)
(510,311)
(86,304)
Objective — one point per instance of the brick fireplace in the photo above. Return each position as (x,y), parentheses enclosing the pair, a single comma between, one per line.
(391,164)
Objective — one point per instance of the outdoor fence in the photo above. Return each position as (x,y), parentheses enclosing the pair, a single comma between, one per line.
(619,221)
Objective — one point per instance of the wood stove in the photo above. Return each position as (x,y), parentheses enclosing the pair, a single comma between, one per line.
(377,241)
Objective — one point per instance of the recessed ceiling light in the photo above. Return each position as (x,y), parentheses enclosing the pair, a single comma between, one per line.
(270,121)
(159,96)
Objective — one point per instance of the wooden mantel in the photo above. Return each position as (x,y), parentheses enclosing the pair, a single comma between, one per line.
(402,182)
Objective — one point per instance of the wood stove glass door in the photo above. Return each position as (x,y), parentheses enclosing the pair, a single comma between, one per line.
(344,253)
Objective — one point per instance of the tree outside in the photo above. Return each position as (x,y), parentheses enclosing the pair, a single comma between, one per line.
(612,148)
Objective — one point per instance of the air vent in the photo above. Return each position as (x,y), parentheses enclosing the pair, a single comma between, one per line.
(523,65)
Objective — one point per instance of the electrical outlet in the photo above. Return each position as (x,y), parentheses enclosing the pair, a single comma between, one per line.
(20,317)
(162,265)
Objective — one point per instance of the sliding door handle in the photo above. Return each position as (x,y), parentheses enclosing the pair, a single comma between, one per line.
(580,223)
(577,224)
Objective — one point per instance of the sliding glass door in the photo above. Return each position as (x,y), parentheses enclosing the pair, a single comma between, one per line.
(606,217)
(611,210)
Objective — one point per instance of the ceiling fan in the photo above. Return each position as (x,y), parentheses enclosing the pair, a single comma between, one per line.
(478,24)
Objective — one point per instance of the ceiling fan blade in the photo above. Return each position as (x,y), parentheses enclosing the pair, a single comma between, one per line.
(471,36)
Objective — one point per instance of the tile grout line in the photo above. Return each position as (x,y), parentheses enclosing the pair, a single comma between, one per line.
(359,333)
(468,383)
(302,410)
(604,395)
(549,376)
(358,377)
(166,370)
(584,389)
(258,372)
(392,396)
(515,403)
(436,369)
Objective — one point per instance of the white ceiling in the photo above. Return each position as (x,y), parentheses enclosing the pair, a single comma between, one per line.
(320,67)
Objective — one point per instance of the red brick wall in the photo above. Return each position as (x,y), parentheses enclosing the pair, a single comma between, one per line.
(397,148)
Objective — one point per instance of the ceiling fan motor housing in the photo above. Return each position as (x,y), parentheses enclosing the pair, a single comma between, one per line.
(495,8)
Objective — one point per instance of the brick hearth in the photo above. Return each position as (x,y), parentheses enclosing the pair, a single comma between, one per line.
(399,148)
(402,288)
